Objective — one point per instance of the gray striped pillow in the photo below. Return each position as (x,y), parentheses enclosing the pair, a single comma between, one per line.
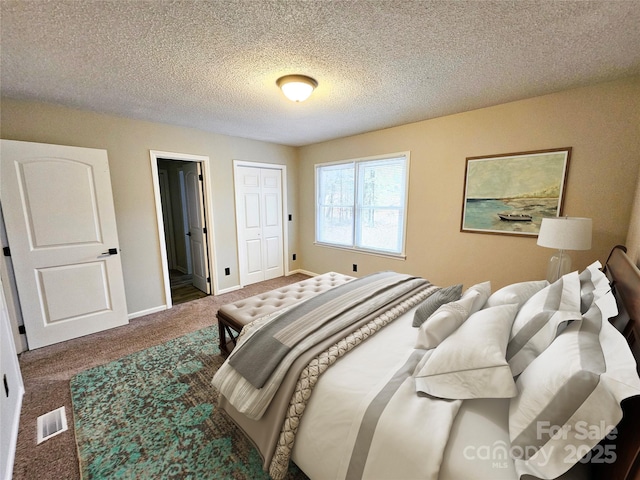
(594,284)
(575,386)
(434,301)
(541,318)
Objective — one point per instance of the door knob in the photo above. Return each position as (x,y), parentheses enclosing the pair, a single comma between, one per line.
(111,251)
(188,234)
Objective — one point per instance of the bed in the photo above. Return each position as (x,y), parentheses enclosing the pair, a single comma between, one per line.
(389,376)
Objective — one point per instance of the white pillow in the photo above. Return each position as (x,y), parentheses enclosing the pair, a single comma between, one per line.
(471,363)
(541,318)
(484,289)
(444,321)
(574,388)
(517,293)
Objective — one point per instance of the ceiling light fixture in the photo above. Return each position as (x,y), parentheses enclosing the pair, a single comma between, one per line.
(297,88)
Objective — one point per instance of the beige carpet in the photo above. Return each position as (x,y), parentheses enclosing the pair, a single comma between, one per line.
(46,373)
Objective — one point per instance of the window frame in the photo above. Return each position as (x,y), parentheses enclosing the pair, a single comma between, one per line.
(356,216)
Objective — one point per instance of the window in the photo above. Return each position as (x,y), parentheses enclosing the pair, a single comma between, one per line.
(361,204)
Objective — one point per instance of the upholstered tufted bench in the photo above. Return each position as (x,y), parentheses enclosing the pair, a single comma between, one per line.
(233,316)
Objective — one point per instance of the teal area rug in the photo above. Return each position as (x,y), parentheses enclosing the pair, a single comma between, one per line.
(153,414)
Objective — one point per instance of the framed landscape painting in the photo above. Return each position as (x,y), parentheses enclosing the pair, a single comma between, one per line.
(511,193)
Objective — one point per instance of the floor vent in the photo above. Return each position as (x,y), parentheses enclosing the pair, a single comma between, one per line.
(51,424)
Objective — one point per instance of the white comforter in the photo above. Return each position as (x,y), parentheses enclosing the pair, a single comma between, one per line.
(331,442)
(452,440)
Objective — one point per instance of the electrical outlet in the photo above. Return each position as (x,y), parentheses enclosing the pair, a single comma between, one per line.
(227,271)
(294,256)
(355,267)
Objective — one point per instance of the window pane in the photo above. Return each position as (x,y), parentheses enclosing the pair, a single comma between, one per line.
(381,229)
(382,182)
(381,196)
(336,189)
(365,199)
(335,225)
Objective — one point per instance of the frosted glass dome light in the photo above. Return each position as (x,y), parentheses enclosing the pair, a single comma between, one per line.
(297,88)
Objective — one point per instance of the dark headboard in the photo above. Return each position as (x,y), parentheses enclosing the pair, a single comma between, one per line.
(624,276)
(625,281)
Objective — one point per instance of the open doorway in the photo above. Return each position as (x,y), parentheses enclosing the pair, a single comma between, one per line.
(182,216)
(182,221)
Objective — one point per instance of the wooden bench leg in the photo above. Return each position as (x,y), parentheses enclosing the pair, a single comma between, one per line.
(226,343)
(222,339)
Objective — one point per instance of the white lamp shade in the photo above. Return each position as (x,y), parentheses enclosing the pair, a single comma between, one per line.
(565,233)
(297,88)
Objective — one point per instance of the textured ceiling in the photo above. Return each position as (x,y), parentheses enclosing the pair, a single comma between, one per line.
(213,65)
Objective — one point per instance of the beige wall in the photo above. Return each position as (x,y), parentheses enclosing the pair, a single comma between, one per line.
(128,143)
(601,123)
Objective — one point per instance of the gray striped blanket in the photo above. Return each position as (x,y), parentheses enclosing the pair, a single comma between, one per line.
(253,372)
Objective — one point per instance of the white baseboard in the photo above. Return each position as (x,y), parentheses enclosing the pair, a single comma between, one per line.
(10,455)
(227,290)
(292,272)
(304,272)
(148,311)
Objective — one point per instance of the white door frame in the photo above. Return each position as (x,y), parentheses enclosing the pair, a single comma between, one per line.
(208,205)
(11,401)
(285,216)
(10,289)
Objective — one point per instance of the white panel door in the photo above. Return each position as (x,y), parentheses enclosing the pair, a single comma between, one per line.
(259,217)
(61,225)
(272,242)
(249,217)
(197,228)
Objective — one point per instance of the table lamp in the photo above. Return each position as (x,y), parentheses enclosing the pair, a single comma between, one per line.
(563,233)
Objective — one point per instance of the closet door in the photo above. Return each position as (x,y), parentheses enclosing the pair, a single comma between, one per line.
(259,220)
